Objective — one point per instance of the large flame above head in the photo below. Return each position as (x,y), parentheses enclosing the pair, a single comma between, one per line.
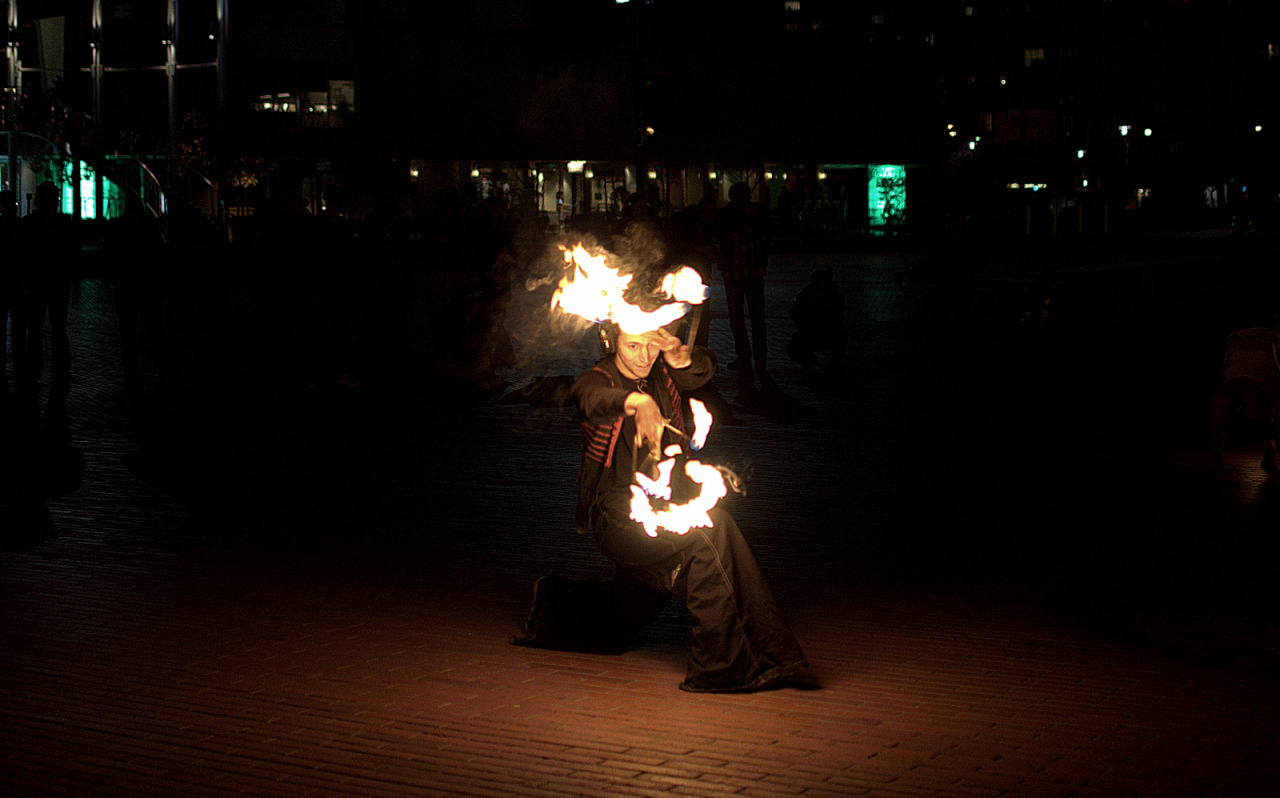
(593,290)
(679,518)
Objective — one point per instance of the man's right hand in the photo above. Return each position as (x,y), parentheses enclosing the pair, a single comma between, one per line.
(649,421)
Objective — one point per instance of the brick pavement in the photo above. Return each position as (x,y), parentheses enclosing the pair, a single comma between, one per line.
(1012,579)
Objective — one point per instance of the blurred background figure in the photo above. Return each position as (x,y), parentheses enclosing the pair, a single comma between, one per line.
(818,313)
(134,247)
(1249,388)
(49,249)
(741,231)
(689,243)
(8,281)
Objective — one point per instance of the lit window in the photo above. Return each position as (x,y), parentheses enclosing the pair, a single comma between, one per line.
(792,5)
(1033,54)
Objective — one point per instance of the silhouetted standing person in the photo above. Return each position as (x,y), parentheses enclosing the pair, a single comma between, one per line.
(9,264)
(690,243)
(50,246)
(954,261)
(741,230)
(134,246)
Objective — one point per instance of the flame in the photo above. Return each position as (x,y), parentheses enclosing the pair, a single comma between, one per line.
(701,424)
(659,488)
(679,518)
(593,290)
(685,285)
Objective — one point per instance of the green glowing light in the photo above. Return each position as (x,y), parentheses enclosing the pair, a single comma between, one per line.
(112,196)
(886,194)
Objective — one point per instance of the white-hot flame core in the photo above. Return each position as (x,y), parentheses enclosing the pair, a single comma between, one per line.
(701,424)
(593,290)
(659,488)
(680,518)
(686,285)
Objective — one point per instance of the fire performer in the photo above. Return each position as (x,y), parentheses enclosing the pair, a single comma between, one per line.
(630,408)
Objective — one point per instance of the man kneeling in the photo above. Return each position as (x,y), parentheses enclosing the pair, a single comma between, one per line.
(740,640)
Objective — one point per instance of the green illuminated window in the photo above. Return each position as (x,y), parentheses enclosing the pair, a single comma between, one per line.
(886,194)
(112,196)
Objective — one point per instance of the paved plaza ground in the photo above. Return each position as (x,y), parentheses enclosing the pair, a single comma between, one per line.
(1004,553)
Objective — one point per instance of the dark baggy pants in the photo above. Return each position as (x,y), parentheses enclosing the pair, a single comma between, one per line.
(740,639)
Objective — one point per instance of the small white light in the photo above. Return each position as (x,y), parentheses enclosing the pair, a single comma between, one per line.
(711,174)
(1257,128)
(576,166)
(589,174)
(1084,183)
(768,175)
(1079,153)
(475,172)
(1124,130)
(653,174)
(1147,132)
(973,145)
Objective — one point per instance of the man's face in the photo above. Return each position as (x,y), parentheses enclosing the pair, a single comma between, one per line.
(637,353)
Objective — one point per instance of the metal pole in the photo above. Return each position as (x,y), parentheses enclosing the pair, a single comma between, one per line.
(171,73)
(95,69)
(222,55)
(95,73)
(220,145)
(12,84)
(11,46)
